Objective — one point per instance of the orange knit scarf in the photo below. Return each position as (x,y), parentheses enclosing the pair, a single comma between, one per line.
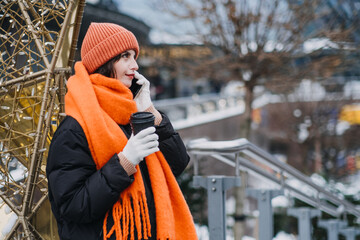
(99,104)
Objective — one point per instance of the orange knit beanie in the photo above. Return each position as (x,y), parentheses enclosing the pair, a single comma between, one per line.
(103,41)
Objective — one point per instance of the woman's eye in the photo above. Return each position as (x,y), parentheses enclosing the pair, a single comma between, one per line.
(125,55)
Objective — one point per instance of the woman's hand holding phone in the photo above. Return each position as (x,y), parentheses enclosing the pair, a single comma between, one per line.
(142,99)
(135,88)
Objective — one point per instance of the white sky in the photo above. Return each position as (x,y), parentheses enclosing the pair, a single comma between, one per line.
(165,28)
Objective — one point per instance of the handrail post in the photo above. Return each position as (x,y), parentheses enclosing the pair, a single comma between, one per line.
(304,216)
(350,233)
(196,165)
(264,197)
(333,227)
(237,165)
(216,192)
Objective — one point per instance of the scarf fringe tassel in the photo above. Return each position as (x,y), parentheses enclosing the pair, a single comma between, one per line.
(128,214)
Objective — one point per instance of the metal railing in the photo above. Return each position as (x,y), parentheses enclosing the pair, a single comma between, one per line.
(200,109)
(244,155)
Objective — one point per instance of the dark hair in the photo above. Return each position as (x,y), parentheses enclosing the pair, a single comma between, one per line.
(107,69)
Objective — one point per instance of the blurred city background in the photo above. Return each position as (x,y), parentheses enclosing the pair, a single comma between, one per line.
(282,74)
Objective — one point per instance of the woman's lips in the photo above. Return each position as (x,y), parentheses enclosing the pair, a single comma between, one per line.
(130,75)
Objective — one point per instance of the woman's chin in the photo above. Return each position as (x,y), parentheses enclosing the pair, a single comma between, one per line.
(127,83)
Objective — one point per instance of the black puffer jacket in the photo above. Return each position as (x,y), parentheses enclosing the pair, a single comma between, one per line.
(80,195)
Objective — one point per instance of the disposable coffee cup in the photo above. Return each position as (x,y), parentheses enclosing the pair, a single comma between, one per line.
(141,120)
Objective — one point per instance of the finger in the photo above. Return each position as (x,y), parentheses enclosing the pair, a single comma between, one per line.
(150,145)
(150,138)
(138,75)
(147,131)
(150,151)
(141,81)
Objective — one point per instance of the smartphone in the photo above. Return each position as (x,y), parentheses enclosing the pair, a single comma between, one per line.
(135,88)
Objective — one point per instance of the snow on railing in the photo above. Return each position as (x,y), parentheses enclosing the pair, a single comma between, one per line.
(200,109)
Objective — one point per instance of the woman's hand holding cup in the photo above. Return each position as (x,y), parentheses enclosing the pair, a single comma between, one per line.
(141,145)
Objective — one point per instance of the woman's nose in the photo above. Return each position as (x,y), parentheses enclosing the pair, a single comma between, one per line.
(134,65)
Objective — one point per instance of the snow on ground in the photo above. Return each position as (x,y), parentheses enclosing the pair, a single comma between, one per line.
(7,220)
(284,236)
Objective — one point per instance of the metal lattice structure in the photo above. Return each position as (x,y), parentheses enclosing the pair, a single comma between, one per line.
(37,46)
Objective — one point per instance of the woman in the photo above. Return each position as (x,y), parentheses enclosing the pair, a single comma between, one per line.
(104,182)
